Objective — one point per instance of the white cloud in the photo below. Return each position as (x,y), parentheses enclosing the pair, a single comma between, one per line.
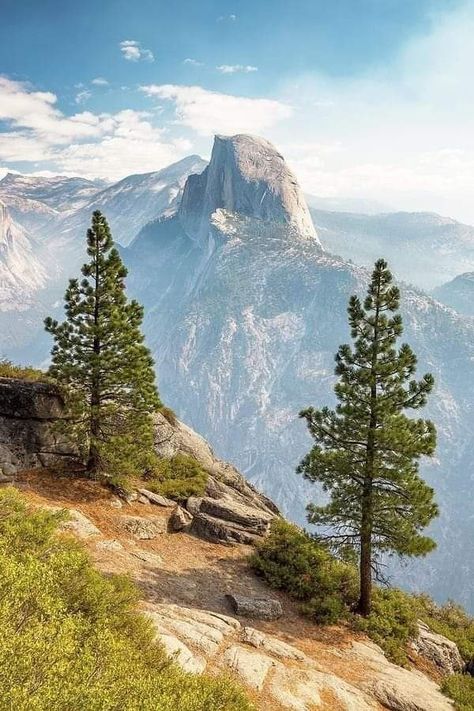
(228,18)
(236,68)
(100,81)
(209,112)
(94,145)
(193,62)
(83,96)
(134,52)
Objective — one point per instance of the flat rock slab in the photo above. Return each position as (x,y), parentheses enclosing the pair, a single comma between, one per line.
(156,498)
(252,667)
(148,557)
(180,519)
(259,608)
(272,645)
(80,525)
(143,528)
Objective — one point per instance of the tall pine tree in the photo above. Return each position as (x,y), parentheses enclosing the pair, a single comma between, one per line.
(99,354)
(367,450)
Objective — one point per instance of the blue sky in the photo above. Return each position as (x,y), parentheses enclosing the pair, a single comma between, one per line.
(366,98)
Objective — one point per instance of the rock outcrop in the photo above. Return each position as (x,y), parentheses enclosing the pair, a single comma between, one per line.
(232,510)
(29,435)
(438,649)
(246,175)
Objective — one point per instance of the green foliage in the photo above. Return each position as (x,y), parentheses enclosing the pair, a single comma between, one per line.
(100,357)
(22,372)
(391,623)
(179,477)
(72,640)
(367,451)
(450,620)
(460,688)
(169,415)
(291,560)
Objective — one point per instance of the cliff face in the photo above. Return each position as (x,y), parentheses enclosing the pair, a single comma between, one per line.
(247,176)
(29,436)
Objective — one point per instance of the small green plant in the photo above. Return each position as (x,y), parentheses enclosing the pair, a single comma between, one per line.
(179,477)
(391,623)
(291,560)
(22,372)
(460,688)
(71,638)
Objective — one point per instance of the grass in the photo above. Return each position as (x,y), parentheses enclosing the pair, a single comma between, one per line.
(27,372)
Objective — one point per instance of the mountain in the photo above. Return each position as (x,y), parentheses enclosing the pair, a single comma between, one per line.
(245,311)
(423,248)
(21,273)
(342,204)
(136,200)
(458,293)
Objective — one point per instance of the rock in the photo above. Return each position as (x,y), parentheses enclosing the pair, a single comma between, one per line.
(205,637)
(438,649)
(259,608)
(252,667)
(183,656)
(130,497)
(157,499)
(395,688)
(143,528)
(8,471)
(148,557)
(180,519)
(271,644)
(29,436)
(218,531)
(143,500)
(80,525)
(116,504)
(6,479)
(302,690)
(112,546)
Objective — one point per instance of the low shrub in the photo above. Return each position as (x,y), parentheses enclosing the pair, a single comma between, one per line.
(179,477)
(460,688)
(27,372)
(291,560)
(392,622)
(71,639)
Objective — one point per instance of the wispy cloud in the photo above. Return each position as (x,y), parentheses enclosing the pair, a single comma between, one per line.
(134,52)
(236,68)
(100,81)
(229,18)
(193,62)
(83,96)
(209,112)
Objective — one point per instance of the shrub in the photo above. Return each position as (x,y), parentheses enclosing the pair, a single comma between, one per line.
(71,639)
(179,477)
(291,560)
(9,370)
(392,622)
(460,688)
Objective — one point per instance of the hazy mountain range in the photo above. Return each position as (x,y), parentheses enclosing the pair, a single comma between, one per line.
(246,306)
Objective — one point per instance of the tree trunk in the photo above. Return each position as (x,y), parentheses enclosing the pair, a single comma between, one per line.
(365,595)
(93,462)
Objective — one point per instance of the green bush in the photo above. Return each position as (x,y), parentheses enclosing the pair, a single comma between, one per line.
(72,640)
(392,622)
(179,477)
(291,560)
(9,370)
(460,688)
(450,620)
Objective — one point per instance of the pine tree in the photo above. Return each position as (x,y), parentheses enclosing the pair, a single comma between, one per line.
(100,356)
(367,451)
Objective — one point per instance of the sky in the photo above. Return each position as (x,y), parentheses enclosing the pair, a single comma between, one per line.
(368,99)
